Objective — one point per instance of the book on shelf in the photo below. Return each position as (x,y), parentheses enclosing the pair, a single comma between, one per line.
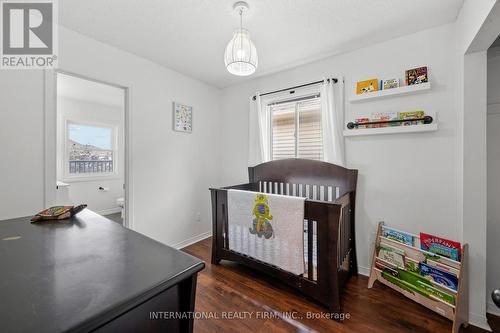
(436,292)
(367,86)
(362,120)
(384,116)
(443,267)
(409,115)
(416,76)
(414,282)
(439,276)
(389,84)
(398,236)
(392,255)
(440,246)
(411,265)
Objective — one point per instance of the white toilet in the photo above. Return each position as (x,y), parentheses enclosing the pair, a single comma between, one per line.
(121,202)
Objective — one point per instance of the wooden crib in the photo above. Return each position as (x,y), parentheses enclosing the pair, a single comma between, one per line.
(330,249)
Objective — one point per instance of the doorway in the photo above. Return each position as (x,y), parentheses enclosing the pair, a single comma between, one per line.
(90,145)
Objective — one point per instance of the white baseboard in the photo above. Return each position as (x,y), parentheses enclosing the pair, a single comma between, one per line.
(363,271)
(192,240)
(479,321)
(493,309)
(109,211)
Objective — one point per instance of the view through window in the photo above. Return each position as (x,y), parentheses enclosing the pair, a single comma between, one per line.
(90,149)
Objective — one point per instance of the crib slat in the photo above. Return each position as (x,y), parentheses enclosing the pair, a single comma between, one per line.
(310,267)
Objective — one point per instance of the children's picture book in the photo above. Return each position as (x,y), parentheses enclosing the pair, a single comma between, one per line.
(384,116)
(366,86)
(438,293)
(416,76)
(390,84)
(398,236)
(440,246)
(444,267)
(392,255)
(412,115)
(411,265)
(439,276)
(382,264)
(429,256)
(424,286)
(362,120)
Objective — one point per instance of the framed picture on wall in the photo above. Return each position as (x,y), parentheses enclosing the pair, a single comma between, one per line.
(183,118)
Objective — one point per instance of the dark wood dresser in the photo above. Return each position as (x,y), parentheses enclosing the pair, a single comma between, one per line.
(90,274)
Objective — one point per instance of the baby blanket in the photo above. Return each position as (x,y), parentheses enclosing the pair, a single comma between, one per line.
(267,227)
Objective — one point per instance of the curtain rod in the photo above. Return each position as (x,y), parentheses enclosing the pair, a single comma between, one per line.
(296,87)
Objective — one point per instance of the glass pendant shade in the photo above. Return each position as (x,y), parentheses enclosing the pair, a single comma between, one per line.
(241,55)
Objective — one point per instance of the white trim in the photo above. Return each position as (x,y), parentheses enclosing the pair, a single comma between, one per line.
(192,240)
(363,270)
(50,141)
(479,321)
(492,308)
(128,185)
(109,211)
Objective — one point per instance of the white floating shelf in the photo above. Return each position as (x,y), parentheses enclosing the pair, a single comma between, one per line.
(392,130)
(404,90)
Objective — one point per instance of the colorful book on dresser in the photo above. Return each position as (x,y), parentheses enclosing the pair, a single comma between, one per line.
(440,246)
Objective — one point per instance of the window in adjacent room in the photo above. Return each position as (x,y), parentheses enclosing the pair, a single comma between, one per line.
(296,128)
(91,150)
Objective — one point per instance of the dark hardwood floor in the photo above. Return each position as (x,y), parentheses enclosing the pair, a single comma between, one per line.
(227,288)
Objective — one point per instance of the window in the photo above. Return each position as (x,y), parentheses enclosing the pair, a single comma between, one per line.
(296,129)
(90,150)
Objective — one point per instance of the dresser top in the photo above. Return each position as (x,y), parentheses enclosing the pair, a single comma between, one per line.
(78,273)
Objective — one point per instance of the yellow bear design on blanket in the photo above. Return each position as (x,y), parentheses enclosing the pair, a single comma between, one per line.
(261,225)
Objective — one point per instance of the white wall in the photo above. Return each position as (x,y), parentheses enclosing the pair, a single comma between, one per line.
(493,143)
(407,180)
(87,191)
(21,142)
(171,171)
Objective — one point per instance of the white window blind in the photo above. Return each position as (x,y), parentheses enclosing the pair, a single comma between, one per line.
(296,129)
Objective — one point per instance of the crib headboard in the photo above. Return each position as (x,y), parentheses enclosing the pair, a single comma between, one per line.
(306,172)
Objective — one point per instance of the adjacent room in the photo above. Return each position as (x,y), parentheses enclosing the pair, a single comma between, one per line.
(249,166)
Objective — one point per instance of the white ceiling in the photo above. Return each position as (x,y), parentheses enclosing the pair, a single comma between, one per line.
(190,35)
(89,91)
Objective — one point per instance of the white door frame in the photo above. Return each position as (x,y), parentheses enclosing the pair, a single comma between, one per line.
(50,139)
(473,182)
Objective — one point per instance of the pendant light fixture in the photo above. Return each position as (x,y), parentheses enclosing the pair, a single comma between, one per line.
(241,55)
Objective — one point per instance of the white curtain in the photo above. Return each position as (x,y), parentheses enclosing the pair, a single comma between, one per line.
(259,133)
(332,121)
